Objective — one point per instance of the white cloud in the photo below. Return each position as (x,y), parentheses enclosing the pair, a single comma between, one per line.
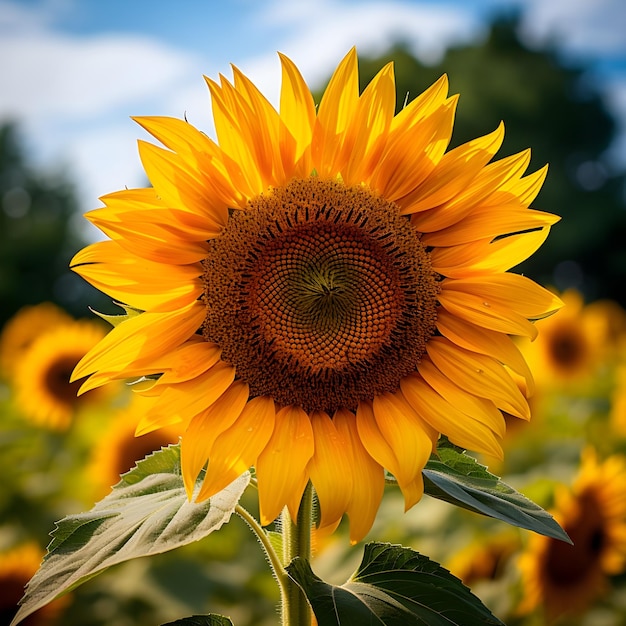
(73,95)
(581,27)
(79,77)
(16,17)
(317,34)
(326,28)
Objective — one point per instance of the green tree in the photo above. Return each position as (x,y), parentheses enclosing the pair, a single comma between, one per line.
(36,237)
(557,111)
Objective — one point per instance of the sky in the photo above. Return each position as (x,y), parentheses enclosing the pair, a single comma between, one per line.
(73,72)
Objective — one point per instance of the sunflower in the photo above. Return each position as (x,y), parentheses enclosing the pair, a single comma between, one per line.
(484,559)
(17,567)
(23,328)
(617,413)
(613,318)
(43,391)
(570,345)
(321,291)
(566,579)
(118,449)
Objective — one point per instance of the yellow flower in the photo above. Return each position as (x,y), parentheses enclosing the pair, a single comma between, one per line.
(23,328)
(322,290)
(565,578)
(17,567)
(118,449)
(43,391)
(617,413)
(570,345)
(484,559)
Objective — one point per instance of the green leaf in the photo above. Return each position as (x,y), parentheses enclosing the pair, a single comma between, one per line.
(201,620)
(115,320)
(459,479)
(393,586)
(146,513)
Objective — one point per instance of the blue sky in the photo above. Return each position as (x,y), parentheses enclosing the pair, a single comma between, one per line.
(72,72)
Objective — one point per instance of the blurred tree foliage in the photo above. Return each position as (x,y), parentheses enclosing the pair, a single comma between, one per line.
(556,110)
(37,240)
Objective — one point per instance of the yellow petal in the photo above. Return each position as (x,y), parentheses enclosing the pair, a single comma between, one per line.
(454,172)
(379,449)
(188,361)
(400,170)
(422,106)
(478,374)
(182,401)
(372,438)
(228,110)
(180,363)
(487,256)
(142,336)
(493,315)
(367,132)
(297,110)
(282,463)
(140,283)
(178,135)
(330,469)
(518,293)
(442,415)
(480,409)
(368,477)
(480,189)
(492,343)
(334,114)
(528,187)
(489,222)
(199,437)
(412,491)
(180,185)
(196,148)
(139,222)
(238,447)
(264,130)
(405,432)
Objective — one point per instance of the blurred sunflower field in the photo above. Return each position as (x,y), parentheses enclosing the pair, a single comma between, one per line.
(60,453)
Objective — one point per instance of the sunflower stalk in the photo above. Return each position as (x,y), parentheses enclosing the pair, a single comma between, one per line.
(274,559)
(297,543)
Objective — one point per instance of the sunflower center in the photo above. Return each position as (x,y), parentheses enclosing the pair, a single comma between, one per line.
(57,380)
(570,564)
(568,348)
(320,295)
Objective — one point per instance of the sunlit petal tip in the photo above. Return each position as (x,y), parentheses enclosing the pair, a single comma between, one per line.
(214,87)
(87,386)
(280,467)
(412,492)
(237,448)
(406,434)
(368,477)
(190,475)
(330,468)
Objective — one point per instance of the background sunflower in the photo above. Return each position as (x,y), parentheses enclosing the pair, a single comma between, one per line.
(43,389)
(565,579)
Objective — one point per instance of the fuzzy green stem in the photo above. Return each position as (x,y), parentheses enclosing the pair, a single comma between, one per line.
(297,542)
(276,564)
